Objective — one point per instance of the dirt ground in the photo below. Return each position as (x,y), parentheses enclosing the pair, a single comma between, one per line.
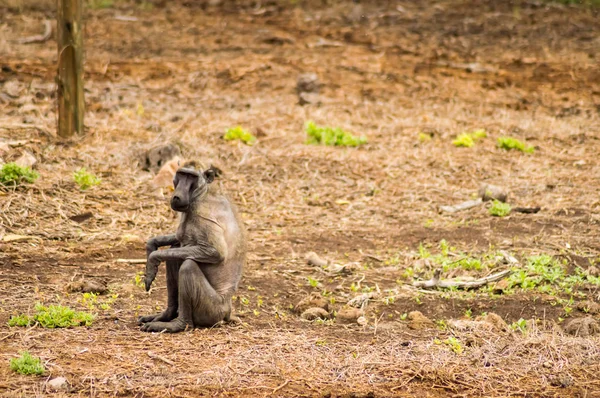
(409,76)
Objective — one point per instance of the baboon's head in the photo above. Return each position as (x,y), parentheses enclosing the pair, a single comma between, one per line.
(189,185)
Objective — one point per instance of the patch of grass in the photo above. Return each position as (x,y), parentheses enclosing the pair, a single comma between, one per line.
(85,179)
(468,139)
(138,280)
(238,133)
(509,143)
(53,316)
(27,364)
(332,136)
(100,4)
(313,282)
(11,174)
(424,137)
(464,140)
(499,209)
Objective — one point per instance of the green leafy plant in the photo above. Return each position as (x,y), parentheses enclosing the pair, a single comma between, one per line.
(467,139)
(11,174)
(500,209)
(27,364)
(464,140)
(53,316)
(138,279)
(520,325)
(509,143)
(238,133)
(313,282)
(85,179)
(333,136)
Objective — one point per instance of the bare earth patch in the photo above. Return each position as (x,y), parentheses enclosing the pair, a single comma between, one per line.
(410,77)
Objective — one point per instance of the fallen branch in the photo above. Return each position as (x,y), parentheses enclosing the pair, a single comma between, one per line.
(461,206)
(132,260)
(435,281)
(39,38)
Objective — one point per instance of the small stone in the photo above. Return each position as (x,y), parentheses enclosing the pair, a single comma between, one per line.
(312,301)
(26,160)
(563,380)
(491,192)
(418,321)
(362,321)
(582,327)
(159,155)
(495,320)
(547,364)
(501,286)
(315,313)
(90,286)
(308,98)
(307,83)
(348,315)
(313,258)
(589,307)
(58,383)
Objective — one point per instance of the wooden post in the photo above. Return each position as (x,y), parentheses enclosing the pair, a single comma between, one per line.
(71,105)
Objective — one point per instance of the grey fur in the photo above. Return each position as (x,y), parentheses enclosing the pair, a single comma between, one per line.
(205,258)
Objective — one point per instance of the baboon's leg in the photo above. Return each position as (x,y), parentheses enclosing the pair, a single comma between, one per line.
(199,303)
(170,313)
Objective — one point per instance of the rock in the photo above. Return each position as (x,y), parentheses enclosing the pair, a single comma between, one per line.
(362,321)
(593,271)
(348,315)
(308,98)
(491,192)
(563,380)
(494,320)
(88,286)
(313,259)
(361,300)
(307,83)
(58,383)
(312,301)
(315,313)
(418,321)
(589,307)
(501,286)
(582,327)
(26,160)
(158,156)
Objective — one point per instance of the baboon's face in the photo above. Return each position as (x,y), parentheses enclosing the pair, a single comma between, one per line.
(189,184)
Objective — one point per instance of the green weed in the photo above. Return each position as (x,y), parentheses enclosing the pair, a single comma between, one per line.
(313,282)
(238,133)
(467,140)
(332,136)
(11,174)
(509,143)
(520,325)
(53,316)
(500,209)
(85,179)
(27,364)
(454,344)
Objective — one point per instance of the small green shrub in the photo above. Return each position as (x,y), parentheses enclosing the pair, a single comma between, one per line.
(332,136)
(27,364)
(11,174)
(520,325)
(85,179)
(467,140)
(53,316)
(238,133)
(500,209)
(464,140)
(509,143)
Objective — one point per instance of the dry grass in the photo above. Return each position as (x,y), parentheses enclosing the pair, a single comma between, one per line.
(187,74)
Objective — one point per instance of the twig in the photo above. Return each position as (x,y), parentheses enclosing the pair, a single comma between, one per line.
(160,358)
(435,281)
(39,38)
(132,260)
(281,386)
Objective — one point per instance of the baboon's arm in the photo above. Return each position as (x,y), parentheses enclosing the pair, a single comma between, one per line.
(203,252)
(158,241)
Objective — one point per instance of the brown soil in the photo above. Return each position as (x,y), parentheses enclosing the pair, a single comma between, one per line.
(185,71)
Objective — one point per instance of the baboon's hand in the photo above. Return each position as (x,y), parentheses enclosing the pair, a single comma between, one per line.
(151,270)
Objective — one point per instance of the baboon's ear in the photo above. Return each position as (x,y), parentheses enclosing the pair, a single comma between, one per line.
(209,175)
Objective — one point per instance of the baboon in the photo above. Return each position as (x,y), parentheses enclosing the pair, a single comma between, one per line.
(205,258)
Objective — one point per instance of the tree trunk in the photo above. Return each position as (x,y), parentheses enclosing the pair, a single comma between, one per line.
(71,103)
